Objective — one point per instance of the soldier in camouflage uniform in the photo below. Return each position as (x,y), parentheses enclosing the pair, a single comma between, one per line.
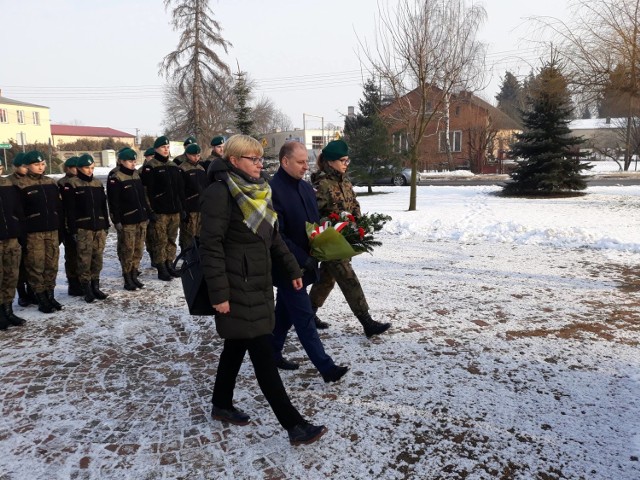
(70,251)
(42,207)
(195,181)
(129,212)
(26,296)
(11,229)
(183,158)
(335,194)
(164,189)
(86,215)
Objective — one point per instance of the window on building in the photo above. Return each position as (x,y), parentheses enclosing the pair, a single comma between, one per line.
(36,118)
(3,115)
(20,116)
(400,143)
(317,142)
(457,110)
(455,139)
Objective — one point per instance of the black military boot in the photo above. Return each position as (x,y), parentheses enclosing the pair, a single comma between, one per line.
(23,296)
(88,292)
(54,303)
(163,273)
(12,318)
(371,327)
(173,272)
(43,303)
(134,278)
(128,282)
(320,325)
(4,321)
(31,294)
(99,294)
(74,290)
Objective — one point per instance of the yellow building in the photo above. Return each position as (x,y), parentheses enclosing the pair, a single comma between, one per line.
(23,123)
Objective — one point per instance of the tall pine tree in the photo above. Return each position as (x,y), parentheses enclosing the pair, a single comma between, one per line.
(242,92)
(510,96)
(551,155)
(370,147)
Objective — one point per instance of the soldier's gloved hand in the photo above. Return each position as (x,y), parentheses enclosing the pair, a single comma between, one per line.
(184,216)
(75,237)
(310,264)
(118,226)
(152,217)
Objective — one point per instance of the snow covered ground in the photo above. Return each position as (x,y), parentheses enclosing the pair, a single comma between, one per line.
(513,354)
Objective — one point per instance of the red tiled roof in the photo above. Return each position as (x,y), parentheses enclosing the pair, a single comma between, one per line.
(80,131)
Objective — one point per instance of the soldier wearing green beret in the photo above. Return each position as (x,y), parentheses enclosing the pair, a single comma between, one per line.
(129,212)
(86,215)
(164,188)
(335,194)
(70,251)
(43,213)
(217,151)
(195,181)
(182,158)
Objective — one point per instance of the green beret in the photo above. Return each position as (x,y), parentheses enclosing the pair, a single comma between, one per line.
(18,160)
(33,156)
(215,141)
(149,151)
(127,154)
(85,160)
(71,162)
(335,150)
(193,149)
(189,141)
(160,141)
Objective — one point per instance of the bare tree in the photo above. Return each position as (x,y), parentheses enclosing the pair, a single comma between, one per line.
(195,65)
(601,50)
(424,52)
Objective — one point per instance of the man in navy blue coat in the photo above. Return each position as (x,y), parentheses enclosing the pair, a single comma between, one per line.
(295,202)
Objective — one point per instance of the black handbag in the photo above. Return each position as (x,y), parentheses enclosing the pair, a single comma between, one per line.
(194,285)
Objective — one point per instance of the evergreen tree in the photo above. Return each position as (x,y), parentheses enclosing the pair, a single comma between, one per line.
(242,92)
(586,113)
(370,148)
(510,96)
(551,155)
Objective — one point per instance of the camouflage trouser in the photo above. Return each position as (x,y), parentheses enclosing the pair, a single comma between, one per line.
(131,245)
(189,229)
(342,272)
(10,254)
(90,244)
(165,232)
(41,260)
(70,256)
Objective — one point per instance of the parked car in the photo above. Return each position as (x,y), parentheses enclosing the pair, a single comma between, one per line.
(399,178)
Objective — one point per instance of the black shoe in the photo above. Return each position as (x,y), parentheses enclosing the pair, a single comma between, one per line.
(134,278)
(163,273)
(56,304)
(172,271)
(128,282)
(12,318)
(284,364)
(304,433)
(335,374)
(89,297)
(231,415)
(371,327)
(75,289)
(320,325)
(24,299)
(4,320)
(99,294)
(43,303)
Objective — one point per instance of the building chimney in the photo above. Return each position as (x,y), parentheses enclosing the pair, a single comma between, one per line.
(351,112)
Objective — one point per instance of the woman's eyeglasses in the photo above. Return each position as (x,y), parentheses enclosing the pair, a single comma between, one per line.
(344,162)
(255,160)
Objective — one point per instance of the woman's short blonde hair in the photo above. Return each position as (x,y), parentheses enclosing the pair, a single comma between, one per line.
(239,145)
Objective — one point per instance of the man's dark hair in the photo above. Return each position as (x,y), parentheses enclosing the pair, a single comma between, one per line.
(287,149)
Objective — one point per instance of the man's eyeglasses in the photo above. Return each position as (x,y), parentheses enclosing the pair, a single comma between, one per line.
(255,160)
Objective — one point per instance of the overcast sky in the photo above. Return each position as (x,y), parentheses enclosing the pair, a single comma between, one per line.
(96,62)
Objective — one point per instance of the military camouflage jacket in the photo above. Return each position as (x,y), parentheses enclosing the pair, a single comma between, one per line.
(335,193)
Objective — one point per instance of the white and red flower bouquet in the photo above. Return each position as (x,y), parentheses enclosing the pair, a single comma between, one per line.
(339,237)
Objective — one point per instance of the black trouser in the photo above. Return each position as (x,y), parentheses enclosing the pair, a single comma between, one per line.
(261,355)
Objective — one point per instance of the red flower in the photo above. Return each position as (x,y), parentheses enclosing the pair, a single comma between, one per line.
(351,218)
(334,216)
(361,232)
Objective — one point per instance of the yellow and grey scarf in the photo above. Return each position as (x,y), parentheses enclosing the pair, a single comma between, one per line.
(254,200)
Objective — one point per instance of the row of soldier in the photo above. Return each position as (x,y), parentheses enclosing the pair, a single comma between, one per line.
(146,206)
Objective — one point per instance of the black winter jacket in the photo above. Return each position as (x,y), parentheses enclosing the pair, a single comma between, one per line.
(195,181)
(40,202)
(237,263)
(11,215)
(125,192)
(85,204)
(164,186)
